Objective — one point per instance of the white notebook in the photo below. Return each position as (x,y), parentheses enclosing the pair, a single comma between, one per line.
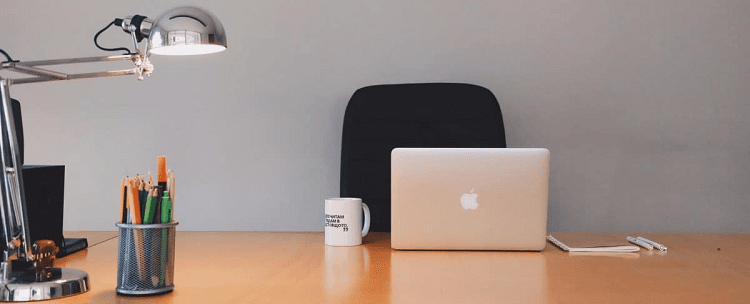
(587,245)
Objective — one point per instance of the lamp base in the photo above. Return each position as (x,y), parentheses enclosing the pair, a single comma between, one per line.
(23,286)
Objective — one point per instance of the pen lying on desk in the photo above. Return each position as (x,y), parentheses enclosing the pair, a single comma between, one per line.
(640,243)
(652,243)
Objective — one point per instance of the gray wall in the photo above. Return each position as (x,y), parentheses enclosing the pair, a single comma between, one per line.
(643,104)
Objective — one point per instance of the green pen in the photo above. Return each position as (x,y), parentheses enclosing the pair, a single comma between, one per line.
(166,217)
(148,215)
(166,208)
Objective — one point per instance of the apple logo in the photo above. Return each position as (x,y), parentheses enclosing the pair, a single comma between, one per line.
(469,200)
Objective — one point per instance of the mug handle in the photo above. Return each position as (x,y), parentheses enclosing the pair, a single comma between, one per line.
(366,227)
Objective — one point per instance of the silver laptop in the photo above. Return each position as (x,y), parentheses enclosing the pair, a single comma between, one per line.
(469,198)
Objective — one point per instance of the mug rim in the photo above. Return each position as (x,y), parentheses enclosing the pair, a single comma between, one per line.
(344,199)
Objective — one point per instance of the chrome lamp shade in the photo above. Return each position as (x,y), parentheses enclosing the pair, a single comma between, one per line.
(186,30)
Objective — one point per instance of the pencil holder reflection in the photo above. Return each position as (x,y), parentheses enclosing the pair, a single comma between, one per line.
(145,258)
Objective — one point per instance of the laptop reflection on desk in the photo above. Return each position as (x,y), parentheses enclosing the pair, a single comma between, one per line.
(468,277)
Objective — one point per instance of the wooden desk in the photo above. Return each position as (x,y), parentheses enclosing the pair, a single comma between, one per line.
(278,267)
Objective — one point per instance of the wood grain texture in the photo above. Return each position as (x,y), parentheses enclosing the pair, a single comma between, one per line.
(292,267)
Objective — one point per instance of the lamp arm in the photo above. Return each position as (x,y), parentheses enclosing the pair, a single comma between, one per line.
(15,227)
(15,222)
(76,60)
(142,66)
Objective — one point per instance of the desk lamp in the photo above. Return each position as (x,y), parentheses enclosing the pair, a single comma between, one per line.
(180,31)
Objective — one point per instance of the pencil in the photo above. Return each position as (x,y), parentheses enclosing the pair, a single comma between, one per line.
(123,202)
(135,206)
(148,217)
(171,190)
(135,218)
(169,175)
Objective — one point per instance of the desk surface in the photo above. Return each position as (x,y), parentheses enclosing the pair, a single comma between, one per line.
(281,267)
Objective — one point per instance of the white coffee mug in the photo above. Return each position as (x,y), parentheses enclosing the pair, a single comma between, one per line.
(343,217)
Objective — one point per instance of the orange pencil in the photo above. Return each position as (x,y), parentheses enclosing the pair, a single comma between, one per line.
(135,205)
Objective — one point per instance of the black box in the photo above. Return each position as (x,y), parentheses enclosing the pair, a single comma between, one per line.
(44,187)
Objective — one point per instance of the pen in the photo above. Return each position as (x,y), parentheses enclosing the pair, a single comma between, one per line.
(142,194)
(166,208)
(166,217)
(640,243)
(161,173)
(161,179)
(655,244)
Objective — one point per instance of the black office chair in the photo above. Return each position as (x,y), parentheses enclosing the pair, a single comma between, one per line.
(383,117)
(15,106)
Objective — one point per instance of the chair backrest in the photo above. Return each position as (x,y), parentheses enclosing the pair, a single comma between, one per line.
(434,115)
(15,106)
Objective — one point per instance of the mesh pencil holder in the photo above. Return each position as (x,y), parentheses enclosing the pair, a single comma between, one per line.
(145,258)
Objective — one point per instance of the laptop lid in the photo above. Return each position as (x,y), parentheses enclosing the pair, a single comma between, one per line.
(469,198)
